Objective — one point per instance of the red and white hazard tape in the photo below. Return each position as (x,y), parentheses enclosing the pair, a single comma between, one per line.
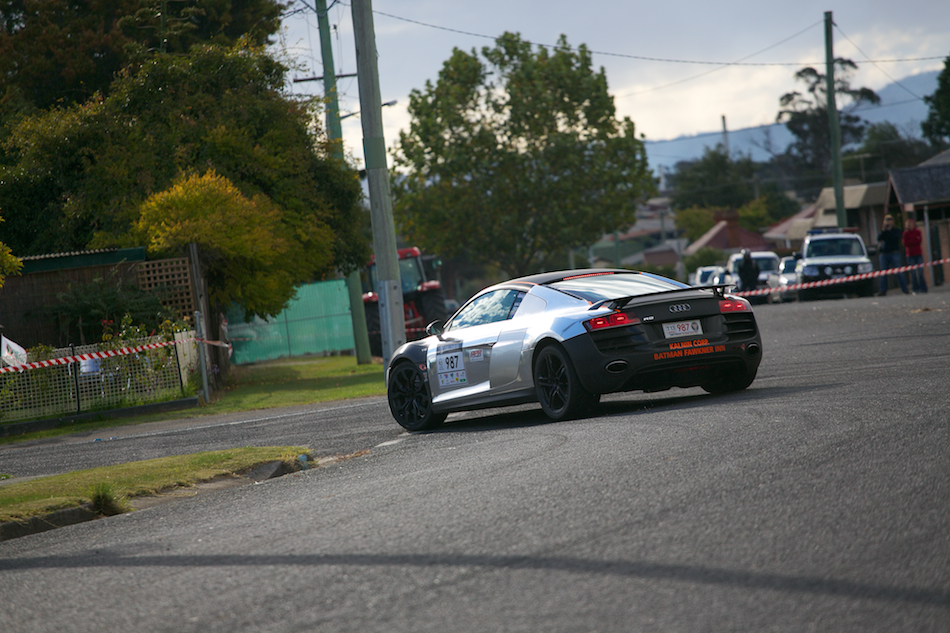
(111,353)
(839,280)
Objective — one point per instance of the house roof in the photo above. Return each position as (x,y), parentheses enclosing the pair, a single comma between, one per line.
(718,237)
(855,196)
(942,157)
(795,227)
(928,183)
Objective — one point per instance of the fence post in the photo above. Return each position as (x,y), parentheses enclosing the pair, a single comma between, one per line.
(199,330)
(72,352)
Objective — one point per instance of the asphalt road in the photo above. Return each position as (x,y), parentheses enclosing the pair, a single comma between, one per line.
(816,500)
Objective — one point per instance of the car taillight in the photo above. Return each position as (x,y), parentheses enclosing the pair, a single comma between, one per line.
(734,304)
(614,319)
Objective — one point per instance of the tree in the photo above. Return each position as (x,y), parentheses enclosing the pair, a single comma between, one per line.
(884,148)
(806,115)
(516,156)
(9,264)
(695,221)
(244,244)
(936,127)
(63,51)
(715,180)
(78,177)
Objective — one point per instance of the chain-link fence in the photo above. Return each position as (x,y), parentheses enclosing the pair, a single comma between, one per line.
(126,379)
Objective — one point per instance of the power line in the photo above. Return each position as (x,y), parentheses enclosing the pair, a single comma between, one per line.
(908,90)
(663,59)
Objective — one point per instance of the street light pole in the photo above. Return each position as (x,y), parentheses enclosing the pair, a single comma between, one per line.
(391,315)
(335,132)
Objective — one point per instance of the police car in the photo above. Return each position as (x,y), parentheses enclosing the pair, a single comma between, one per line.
(830,255)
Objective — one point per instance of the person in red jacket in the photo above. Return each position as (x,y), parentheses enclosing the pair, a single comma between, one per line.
(913,247)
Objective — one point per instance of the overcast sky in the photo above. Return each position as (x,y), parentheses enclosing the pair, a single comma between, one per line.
(675,68)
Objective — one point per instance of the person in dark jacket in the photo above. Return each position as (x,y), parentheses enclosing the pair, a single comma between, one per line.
(889,249)
(748,272)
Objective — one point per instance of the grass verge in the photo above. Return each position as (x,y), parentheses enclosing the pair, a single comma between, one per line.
(108,489)
(271,384)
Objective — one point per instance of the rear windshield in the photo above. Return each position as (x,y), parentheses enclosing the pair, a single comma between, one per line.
(616,285)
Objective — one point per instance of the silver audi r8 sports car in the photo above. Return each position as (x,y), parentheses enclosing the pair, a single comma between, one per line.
(564,338)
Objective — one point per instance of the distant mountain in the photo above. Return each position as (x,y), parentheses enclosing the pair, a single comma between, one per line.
(900,105)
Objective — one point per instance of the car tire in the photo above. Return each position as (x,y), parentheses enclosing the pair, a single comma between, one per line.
(730,382)
(409,399)
(559,390)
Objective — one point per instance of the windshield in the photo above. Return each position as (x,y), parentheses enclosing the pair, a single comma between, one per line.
(614,286)
(766,264)
(835,247)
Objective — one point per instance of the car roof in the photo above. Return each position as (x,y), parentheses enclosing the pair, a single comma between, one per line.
(561,275)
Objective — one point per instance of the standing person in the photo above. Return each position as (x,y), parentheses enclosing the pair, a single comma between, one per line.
(748,272)
(913,249)
(889,247)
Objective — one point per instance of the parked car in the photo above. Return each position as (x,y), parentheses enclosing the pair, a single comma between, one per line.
(781,279)
(767,261)
(564,338)
(829,255)
(704,275)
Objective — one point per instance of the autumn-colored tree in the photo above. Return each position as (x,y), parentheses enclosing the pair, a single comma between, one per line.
(516,155)
(244,243)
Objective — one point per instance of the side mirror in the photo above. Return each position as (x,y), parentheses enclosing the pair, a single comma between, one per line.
(436,328)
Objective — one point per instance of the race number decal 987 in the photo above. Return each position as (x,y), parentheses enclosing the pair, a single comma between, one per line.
(451,369)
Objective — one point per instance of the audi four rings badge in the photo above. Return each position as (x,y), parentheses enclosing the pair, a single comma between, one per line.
(680,307)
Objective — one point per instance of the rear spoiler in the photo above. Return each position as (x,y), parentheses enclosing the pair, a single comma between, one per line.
(719,291)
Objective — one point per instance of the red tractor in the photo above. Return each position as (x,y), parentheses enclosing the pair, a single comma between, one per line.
(422,298)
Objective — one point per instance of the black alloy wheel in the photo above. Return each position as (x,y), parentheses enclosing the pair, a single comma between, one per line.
(558,388)
(409,398)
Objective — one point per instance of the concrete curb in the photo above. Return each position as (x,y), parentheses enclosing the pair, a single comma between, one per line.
(81,514)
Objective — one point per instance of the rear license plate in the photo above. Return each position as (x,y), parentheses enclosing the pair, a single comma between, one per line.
(682,328)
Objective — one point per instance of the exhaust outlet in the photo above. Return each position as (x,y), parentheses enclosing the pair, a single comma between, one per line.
(617,366)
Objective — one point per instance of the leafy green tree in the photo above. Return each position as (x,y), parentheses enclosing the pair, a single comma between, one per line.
(884,148)
(9,263)
(706,256)
(715,180)
(78,177)
(806,115)
(936,127)
(695,221)
(63,51)
(516,155)
(84,311)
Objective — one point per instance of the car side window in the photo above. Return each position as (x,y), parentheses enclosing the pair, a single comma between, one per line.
(498,305)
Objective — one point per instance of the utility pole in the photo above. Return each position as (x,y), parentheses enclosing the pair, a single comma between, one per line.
(391,316)
(335,132)
(837,175)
